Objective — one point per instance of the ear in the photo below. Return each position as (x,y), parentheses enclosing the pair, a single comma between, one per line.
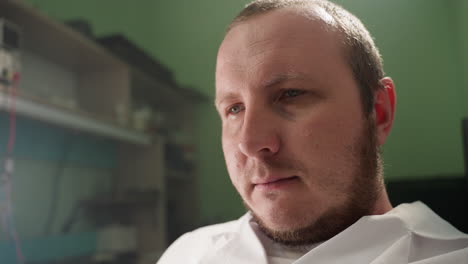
(384,108)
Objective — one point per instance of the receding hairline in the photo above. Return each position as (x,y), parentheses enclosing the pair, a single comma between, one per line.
(312,13)
(311,10)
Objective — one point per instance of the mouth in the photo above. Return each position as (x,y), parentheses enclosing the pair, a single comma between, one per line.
(276,183)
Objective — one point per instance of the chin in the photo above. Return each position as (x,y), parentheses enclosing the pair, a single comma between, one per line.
(284,230)
(284,218)
(283,226)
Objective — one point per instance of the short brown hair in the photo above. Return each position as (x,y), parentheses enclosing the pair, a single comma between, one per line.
(360,51)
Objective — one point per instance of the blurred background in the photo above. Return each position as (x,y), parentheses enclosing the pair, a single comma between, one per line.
(110,143)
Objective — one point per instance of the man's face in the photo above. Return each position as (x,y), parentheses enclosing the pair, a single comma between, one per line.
(297,145)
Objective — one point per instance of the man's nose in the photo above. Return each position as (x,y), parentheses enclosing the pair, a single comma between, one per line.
(259,136)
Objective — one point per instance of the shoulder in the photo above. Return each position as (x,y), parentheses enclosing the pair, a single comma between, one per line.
(433,239)
(421,220)
(193,246)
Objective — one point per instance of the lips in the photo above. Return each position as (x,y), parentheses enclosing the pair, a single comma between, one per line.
(275,183)
(272,180)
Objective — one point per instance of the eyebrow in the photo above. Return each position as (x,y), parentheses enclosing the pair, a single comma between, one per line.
(227,96)
(284,77)
(277,79)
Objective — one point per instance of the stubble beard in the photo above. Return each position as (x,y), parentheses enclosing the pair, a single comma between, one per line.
(363,194)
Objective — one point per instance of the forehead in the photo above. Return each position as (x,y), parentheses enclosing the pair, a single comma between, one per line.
(282,26)
(279,42)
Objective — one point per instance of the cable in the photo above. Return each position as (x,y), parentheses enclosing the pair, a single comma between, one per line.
(12,136)
(8,169)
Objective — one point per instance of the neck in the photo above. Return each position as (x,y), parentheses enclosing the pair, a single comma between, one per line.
(382,205)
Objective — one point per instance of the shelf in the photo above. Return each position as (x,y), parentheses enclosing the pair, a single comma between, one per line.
(73,119)
(99,84)
(56,41)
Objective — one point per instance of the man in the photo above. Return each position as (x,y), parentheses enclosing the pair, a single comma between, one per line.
(305,107)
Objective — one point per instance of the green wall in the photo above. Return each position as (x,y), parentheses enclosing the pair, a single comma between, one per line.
(462,7)
(420,41)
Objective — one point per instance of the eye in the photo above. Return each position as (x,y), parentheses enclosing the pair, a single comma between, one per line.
(290,93)
(235,109)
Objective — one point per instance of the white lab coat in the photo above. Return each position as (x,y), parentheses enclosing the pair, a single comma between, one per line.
(410,233)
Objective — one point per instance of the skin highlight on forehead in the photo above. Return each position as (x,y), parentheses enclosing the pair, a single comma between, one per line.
(316,13)
(312,12)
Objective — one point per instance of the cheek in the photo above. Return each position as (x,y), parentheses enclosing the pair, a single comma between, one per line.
(327,148)
(331,129)
(234,160)
(317,137)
